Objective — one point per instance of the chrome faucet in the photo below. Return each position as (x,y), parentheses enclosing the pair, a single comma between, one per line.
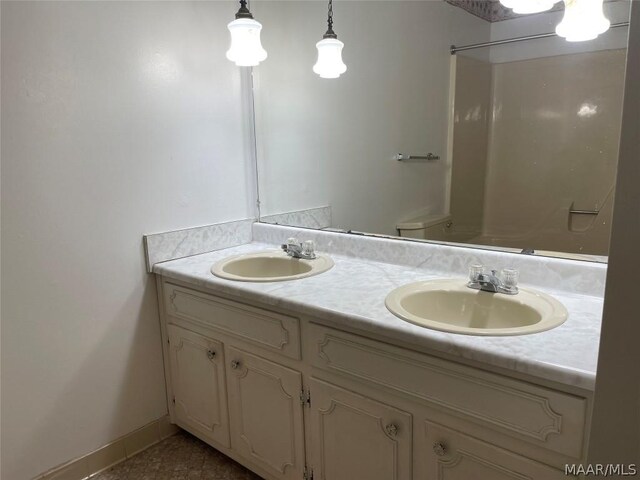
(295,249)
(492,282)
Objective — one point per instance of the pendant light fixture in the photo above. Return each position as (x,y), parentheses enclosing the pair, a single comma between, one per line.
(529,6)
(246,49)
(583,20)
(329,63)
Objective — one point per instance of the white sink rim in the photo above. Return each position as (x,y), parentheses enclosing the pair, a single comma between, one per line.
(552,312)
(319,265)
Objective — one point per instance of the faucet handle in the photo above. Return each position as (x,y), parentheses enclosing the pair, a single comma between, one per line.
(292,241)
(510,277)
(308,247)
(475,271)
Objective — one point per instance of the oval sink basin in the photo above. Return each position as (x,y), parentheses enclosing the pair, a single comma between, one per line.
(450,306)
(271,266)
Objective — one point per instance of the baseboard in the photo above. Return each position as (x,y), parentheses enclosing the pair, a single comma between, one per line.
(113,453)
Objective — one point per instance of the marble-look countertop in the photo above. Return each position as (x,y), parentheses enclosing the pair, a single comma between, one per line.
(352,295)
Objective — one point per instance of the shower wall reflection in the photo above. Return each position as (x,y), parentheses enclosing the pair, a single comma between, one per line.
(535,146)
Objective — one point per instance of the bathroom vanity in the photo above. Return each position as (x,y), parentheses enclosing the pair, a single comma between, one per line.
(313,378)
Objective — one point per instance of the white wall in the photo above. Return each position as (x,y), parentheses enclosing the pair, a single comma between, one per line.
(331,142)
(614,38)
(118,119)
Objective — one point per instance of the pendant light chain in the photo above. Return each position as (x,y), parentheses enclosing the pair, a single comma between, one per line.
(330,33)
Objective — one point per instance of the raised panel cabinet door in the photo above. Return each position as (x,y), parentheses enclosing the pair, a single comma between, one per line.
(355,437)
(198,381)
(266,414)
(452,455)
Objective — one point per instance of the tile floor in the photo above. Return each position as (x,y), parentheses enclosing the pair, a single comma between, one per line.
(179,457)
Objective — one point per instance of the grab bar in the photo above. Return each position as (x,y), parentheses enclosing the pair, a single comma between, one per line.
(402,157)
(584,212)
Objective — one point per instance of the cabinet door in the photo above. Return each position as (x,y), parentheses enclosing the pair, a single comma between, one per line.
(354,437)
(266,414)
(452,455)
(197,377)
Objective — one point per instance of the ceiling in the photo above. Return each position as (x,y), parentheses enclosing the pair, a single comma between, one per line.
(493,10)
(490,10)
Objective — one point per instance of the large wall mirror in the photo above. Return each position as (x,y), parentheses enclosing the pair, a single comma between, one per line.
(511,145)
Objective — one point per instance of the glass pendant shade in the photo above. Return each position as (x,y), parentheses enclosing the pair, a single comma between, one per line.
(583,20)
(529,6)
(246,49)
(329,64)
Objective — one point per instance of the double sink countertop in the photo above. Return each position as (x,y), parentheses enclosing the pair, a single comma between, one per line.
(352,295)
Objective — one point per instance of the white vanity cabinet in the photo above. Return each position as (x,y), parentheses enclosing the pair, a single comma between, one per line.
(266,413)
(530,419)
(199,393)
(246,405)
(355,437)
(293,399)
(456,456)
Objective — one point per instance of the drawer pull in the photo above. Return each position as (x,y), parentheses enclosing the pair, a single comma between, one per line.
(235,364)
(439,448)
(391,429)
(211,353)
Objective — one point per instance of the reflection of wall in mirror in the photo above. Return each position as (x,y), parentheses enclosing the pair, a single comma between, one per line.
(331,142)
(471,120)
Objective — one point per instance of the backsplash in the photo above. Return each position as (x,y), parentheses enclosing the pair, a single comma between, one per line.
(309,218)
(160,247)
(571,276)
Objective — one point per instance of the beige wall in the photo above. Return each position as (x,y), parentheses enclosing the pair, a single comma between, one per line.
(554,145)
(118,119)
(553,132)
(471,122)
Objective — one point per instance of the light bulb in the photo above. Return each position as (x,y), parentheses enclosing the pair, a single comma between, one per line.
(529,6)
(329,63)
(246,49)
(583,20)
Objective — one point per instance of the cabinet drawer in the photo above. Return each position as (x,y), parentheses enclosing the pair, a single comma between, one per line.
(548,418)
(270,330)
(452,455)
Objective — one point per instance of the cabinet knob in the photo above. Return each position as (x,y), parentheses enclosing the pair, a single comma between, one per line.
(439,448)
(235,364)
(391,429)
(211,353)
